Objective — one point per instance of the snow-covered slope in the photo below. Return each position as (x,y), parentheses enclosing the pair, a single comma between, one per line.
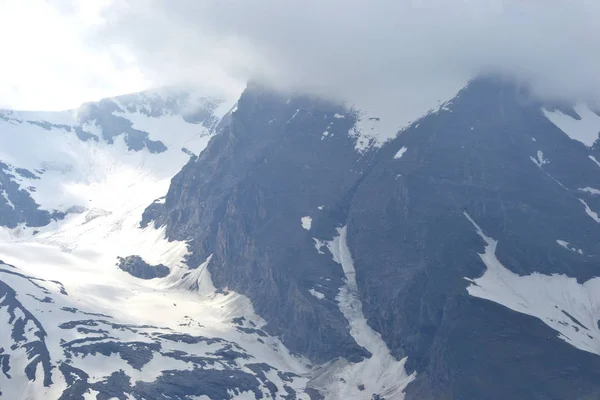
(122,337)
(78,326)
(569,307)
(581,124)
(87,158)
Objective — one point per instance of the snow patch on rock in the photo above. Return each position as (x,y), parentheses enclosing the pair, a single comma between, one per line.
(306,222)
(590,190)
(566,245)
(570,308)
(539,160)
(381,375)
(317,294)
(584,130)
(400,152)
(593,215)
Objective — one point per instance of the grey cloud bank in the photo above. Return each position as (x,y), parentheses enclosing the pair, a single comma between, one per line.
(376,54)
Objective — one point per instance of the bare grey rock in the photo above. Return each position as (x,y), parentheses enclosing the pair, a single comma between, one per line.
(136,266)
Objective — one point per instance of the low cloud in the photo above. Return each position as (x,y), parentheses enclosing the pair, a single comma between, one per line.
(398,55)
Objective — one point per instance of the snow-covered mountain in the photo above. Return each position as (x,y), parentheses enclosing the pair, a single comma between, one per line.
(167,245)
(75,325)
(58,163)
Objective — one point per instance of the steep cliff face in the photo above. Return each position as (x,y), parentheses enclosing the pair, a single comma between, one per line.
(279,164)
(491,157)
(474,236)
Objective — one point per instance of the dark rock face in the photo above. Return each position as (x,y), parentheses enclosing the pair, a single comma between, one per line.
(475,157)
(16,205)
(242,199)
(151,213)
(136,266)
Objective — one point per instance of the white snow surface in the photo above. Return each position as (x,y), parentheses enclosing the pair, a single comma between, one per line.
(539,160)
(567,245)
(317,294)
(381,374)
(584,130)
(368,133)
(594,160)
(590,190)
(294,116)
(400,152)
(306,222)
(593,215)
(319,244)
(572,309)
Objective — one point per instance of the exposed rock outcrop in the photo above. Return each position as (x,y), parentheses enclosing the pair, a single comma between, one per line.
(136,266)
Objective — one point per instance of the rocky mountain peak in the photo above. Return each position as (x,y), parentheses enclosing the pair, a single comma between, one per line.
(293,251)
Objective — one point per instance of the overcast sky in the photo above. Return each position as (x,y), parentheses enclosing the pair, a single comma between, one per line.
(380,53)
